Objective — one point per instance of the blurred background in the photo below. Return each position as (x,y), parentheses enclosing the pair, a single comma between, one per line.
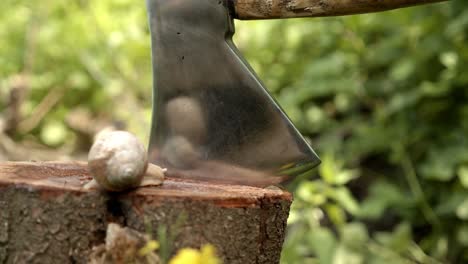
(383,98)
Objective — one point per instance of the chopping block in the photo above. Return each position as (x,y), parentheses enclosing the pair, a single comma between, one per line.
(46,216)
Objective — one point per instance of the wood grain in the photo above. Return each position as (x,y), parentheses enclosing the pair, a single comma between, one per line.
(268,9)
(48,217)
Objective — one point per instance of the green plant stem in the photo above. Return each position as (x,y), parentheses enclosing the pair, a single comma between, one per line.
(421,256)
(416,189)
(386,252)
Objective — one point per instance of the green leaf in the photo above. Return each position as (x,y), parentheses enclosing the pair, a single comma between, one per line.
(462,235)
(462,210)
(323,243)
(382,195)
(462,173)
(398,240)
(54,133)
(354,235)
(438,170)
(333,172)
(344,255)
(345,199)
(336,214)
(447,206)
(312,193)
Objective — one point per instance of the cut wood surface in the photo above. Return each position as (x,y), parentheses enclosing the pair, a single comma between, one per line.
(267,9)
(46,216)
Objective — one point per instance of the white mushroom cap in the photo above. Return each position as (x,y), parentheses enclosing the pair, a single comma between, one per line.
(117,160)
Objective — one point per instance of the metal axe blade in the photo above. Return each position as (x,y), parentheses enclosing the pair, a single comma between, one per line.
(212,117)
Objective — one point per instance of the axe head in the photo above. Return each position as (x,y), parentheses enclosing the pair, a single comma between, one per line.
(212,117)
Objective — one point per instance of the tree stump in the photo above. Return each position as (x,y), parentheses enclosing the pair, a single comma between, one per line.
(47,217)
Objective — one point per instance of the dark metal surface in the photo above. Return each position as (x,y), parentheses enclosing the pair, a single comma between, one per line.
(212,118)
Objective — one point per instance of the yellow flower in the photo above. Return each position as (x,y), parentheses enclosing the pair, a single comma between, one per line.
(206,255)
(151,246)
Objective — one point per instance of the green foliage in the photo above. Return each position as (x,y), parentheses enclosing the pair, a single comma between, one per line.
(96,54)
(382,97)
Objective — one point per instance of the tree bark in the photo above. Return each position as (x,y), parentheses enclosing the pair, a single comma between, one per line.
(267,9)
(47,217)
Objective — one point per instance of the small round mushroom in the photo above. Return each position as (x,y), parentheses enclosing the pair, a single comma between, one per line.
(118,161)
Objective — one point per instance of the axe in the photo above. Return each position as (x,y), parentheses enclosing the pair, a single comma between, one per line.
(213,119)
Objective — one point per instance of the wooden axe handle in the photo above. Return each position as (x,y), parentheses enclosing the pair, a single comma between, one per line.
(266,9)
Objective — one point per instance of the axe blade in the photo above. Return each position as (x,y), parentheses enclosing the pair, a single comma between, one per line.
(212,117)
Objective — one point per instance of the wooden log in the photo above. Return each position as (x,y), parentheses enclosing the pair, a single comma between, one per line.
(267,9)
(47,217)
